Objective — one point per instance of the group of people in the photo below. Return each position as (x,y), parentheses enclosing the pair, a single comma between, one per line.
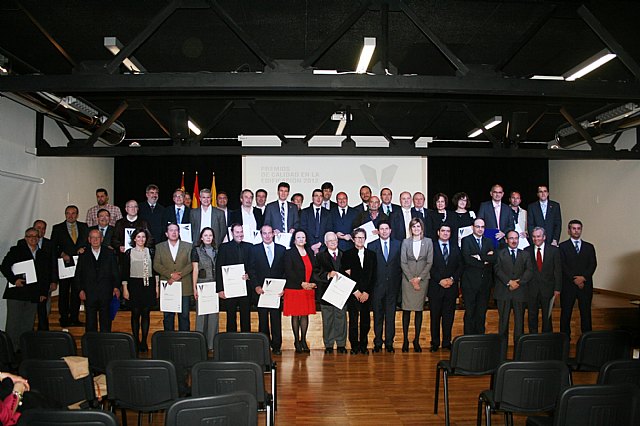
(395,253)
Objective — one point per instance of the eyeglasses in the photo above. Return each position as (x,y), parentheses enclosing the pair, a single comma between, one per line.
(360,238)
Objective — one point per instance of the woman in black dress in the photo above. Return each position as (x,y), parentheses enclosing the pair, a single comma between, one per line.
(461,216)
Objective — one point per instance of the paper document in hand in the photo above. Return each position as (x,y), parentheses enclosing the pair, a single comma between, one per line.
(272,288)
(170,296)
(369,227)
(551,302)
(208,302)
(523,243)
(463,232)
(26,268)
(65,271)
(339,290)
(283,238)
(251,235)
(185,232)
(232,282)
(128,237)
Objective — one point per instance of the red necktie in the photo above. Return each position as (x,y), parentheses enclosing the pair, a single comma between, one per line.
(539,260)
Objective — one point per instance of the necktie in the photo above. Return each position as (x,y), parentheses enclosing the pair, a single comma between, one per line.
(445,253)
(335,255)
(342,214)
(539,260)
(74,233)
(153,206)
(178,216)
(388,210)
(282,216)
(269,255)
(479,243)
(497,213)
(317,221)
(386,251)
(102,230)
(513,256)
(577,247)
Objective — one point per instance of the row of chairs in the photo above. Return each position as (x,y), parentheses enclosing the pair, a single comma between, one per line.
(480,355)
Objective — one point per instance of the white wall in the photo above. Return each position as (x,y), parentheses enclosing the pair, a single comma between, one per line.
(67,180)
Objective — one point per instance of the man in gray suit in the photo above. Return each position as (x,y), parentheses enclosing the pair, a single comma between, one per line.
(281,214)
(513,272)
(207,216)
(546,282)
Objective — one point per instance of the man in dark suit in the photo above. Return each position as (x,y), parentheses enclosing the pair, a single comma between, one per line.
(68,239)
(235,252)
(152,211)
(373,214)
(387,206)
(247,213)
(446,270)
(261,200)
(327,191)
(266,262)
(546,282)
(578,266)
(281,214)
(316,221)
(421,212)
(334,320)
(359,264)
(491,210)
(365,194)
(513,271)
(103,226)
(401,217)
(207,215)
(386,287)
(178,213)
(478,258)
(547,214)
(44,307)
(342,218)
(98,280)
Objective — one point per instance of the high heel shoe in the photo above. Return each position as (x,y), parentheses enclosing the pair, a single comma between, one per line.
(416,346)
(298,347)
(304,346)
(405,346)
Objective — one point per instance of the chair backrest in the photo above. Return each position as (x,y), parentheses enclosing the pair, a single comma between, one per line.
(530,386)
(223,377)
(235,409)
(476,354)
(599,405)
(243,347)
(7,352)
(40,417)
(101,348)
(595,348)
(542,347)
(183,348)
(47,344)
(142,384)
(52,378)
(620,371)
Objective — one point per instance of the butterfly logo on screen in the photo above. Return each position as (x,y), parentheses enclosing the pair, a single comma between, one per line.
(370,175)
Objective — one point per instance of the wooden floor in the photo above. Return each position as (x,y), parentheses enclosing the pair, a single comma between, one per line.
(383,388)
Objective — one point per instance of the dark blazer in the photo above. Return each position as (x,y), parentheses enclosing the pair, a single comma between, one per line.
(98,277)
(441,270)
(552,224)
(363,276)
(154,219)
(365,216)
(108,235)
(235,216)
(29,292)
(343,224)
(308,224)
(398,228)
(332,205)
(259,268)
(388,272)
(426,217)
(62,241)
(573,264)
(218,224)
(325,264)
(550,279)
(506,217)
(360,207)
(294,270)
(169,216)
(505,270)
(119,239)
(232,253)
(476,273)
(272,216)
(394,208)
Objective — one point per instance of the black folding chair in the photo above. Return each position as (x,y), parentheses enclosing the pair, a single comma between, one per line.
(542,347)
(47,344)
(7,353)
(143,385)
(101,348)
(183,349)
(471,355)
(52,378)
(238,409)
(595,405)
(223,377)
(595,348)
(40,417)
(620,371)
(524,387)
(247,347)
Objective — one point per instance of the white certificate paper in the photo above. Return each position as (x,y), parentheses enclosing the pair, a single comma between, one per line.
(283,238)
(463,232)
(251,235)
(272,288)
(128,236)
(522,242)
(170,296)
(67,271)
(369,227)
(208,302)
(234,285)
(185,232)
(339,290)
(28,268)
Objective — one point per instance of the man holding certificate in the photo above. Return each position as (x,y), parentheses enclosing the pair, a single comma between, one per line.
(23,294)
(266,266)
(231,279)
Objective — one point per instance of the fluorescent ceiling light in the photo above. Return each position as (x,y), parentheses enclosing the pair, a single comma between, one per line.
(370,142)
(547,77)
(492,122)
(324,141)
(114,46)
(423,142)
(193,127)
(589,65)
(366,54)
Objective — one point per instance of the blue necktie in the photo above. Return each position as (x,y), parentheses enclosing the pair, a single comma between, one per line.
(577,247)
(282,215)
(386,251)
(178,215)
(479,243)
(269,256)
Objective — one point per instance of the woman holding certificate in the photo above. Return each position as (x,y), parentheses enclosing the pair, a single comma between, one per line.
(203,259)
(139,285)
(299,293)
(461,217)
(416,258)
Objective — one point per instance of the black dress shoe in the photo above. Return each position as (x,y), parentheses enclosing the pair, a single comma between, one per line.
(354,351)
(298,347)
(405,346)
(143,348)
(447,347)
(76,323)
(364,351)
(377,349)
(277,351)
(305,347)
(342,350)
(434,348)
(390,349)
(328,350)
(416,347)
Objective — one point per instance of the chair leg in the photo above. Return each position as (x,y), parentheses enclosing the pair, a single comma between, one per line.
(506,419)
(269,421)
(124,416)
(487,414)
(479,415)
(273,387)
(446,397)
(437,390)
(139,418)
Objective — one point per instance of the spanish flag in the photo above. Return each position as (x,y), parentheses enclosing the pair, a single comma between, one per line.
(195,197)
(182,182)
(214,192)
